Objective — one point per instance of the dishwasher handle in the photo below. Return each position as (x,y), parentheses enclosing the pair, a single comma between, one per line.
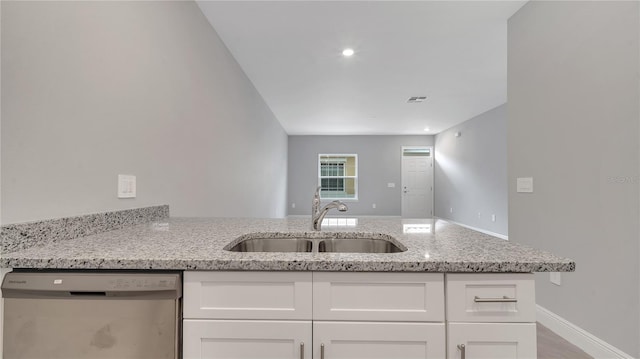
(112,295)
(90,285)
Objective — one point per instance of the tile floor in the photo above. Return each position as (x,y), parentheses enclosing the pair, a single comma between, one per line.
(551,346)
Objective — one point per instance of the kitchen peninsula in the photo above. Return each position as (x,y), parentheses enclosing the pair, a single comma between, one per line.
(453,292)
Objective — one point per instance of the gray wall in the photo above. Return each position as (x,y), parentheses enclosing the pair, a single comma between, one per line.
(471,172)
(573,126)
(91,90)
(379,162)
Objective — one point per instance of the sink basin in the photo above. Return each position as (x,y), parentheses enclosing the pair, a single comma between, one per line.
(322,242)
(273,245)
(358,245)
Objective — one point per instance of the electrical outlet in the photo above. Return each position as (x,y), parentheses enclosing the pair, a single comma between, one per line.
(493,218)
(524,185)
(373,205)
(479,215)
(293,205)
(451,210)
(555,278)
(391,185)
(126,186)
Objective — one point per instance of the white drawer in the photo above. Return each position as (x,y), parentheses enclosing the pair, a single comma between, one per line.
(250,339)
(248,295)
(410,297)
(489,297)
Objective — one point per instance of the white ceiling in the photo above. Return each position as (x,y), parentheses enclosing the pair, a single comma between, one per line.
(453,52)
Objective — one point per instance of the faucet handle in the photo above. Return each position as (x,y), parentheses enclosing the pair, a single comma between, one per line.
(316,196)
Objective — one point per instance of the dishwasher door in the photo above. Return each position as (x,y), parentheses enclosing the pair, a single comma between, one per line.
(73,315)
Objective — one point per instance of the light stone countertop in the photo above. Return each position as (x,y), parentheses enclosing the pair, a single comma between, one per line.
(197,244)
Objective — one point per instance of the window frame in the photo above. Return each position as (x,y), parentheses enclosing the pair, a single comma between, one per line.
(344,177)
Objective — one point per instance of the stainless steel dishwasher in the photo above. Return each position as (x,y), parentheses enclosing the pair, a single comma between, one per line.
(87,315)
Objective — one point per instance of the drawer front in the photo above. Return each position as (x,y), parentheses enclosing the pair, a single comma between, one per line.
(483,297)
(248,295)
(244,339)
(408,297)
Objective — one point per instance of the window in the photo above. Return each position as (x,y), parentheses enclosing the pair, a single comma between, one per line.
(417,151)
(338,176)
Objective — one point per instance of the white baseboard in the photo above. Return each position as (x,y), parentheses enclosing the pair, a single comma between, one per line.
(589,343)
(501,236)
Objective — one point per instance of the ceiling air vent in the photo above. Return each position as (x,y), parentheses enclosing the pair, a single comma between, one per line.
(416,99)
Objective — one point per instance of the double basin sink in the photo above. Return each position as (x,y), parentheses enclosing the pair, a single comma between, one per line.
(323,242)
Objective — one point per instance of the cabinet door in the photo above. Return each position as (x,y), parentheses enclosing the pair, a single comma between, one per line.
(375,340)
(248,295)
(492,340)
(394,297)
(244,339)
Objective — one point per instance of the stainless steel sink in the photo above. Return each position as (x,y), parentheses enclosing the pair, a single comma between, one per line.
(273,245)
(319,242)
(358,245)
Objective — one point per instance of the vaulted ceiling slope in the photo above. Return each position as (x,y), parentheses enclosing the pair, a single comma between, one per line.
(452,52)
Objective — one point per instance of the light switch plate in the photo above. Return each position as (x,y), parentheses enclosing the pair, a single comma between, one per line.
(524,185)
(555,278)
(126,186)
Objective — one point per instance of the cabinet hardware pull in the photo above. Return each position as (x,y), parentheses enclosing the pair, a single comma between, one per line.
(463,350)
(301,350)
(321,351)
(504,299)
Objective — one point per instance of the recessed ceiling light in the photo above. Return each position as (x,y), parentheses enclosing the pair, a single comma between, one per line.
(348,52)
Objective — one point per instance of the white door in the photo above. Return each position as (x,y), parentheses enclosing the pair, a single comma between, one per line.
(371,340)
(417,182)
(492,340)
(245,339)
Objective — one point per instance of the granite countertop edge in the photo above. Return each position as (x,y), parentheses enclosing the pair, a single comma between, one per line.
(198,244)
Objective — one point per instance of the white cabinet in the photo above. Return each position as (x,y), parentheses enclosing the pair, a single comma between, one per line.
(491,297)
(399,297)
(247,315)
(492,340)
(378,315)
(244,339)
(349,340)
(234,315)
(347,315)
(248,295)
(491,316)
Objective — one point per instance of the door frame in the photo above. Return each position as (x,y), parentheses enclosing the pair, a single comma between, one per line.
(433,196)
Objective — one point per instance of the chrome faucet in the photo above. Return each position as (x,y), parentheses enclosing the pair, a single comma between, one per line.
(318,214)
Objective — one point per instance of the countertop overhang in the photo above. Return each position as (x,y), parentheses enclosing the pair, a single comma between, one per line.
(197,244)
